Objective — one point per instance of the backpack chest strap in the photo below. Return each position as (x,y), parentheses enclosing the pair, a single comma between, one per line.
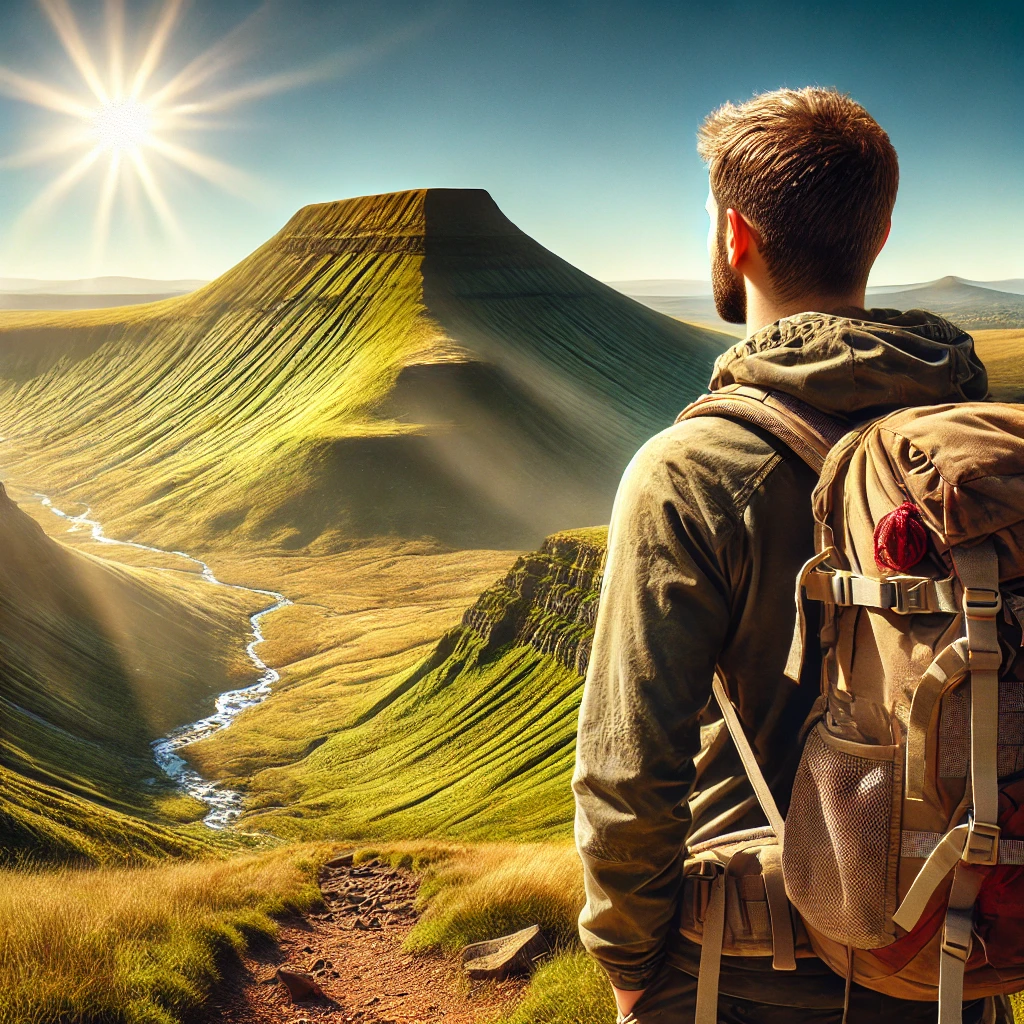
(905,595)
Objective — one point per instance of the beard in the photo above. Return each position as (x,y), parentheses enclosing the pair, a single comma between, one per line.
(727,284)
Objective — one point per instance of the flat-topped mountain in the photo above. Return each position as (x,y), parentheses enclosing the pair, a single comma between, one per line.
(409,364)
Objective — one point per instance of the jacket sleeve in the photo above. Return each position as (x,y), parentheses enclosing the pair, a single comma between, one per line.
(662,621)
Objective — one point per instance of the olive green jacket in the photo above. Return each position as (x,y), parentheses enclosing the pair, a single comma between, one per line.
(710,525)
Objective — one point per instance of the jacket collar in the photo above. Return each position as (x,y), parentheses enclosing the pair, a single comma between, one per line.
(859,366)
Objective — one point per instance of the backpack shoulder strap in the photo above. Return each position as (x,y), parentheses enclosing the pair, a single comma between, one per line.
(810,433)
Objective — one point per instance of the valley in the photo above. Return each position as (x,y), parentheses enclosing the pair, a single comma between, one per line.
(391,436)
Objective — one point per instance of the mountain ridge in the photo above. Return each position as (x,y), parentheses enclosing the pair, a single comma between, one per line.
(364,372)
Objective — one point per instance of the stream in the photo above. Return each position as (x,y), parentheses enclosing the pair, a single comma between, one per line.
(225,804)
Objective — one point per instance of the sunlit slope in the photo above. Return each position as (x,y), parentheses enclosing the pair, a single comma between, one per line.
(476,741)
(1002,352)
(96,661)
(409,364)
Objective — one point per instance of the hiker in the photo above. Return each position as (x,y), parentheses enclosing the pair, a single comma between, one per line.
(711,525)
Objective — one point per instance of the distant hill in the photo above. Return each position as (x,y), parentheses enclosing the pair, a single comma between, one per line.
(99,286)
(408,365)
(90,293)
(966,304)
(972,305)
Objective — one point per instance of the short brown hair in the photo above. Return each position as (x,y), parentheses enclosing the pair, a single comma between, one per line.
(814,173)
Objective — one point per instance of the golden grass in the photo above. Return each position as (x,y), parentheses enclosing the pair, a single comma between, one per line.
(480,891)
(138,945)
(477,891)
(1002,352)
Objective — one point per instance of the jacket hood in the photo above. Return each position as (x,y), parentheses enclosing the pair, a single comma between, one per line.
(853,367)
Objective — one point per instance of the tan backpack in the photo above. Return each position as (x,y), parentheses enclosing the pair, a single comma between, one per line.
(902,852)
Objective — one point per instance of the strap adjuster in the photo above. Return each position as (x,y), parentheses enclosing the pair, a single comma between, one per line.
(956,949)
(982,846)
(982,603)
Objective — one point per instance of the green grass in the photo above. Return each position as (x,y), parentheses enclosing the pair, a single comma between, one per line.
(568,989)
(404,365)
(474,742)
(139,945)
(97,660)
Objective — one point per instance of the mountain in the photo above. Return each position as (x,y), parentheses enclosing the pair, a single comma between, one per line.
(972,305)
(408,365)
(98,286)
(97,660)
(476,741)
(91,293)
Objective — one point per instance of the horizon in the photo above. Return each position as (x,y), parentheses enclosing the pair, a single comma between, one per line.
(579,123)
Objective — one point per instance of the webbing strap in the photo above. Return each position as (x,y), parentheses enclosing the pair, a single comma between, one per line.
(711,954)
(940,862)
(810,433)
(783,939)
(949,666)
(905,595)
(978,569)
(746,752)
(921,844)
(956,944)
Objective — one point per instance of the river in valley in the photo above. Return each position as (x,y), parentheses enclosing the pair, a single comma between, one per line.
(225,804)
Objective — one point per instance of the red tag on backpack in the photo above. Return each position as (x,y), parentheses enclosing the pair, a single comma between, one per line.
(901,539)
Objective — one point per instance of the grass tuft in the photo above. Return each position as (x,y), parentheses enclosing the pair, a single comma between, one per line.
(493,889)
(569,989)
(139,945)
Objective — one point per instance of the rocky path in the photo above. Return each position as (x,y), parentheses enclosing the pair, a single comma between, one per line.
(352,950)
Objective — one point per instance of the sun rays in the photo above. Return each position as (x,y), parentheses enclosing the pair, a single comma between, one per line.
(122,125)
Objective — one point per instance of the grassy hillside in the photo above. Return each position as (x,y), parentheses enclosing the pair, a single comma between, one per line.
(406,365)
(1002,352)
(475,741)
(96,660)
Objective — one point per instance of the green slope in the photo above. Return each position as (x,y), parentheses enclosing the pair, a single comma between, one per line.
(409,364)
(477,741)
(96,660)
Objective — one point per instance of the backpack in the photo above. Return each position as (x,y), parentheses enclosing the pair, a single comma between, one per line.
(900,862)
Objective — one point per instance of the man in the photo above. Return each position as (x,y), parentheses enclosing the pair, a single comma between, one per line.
(710,525)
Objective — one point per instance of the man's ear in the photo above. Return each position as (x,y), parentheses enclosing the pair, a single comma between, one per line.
(888,228)
(737,237)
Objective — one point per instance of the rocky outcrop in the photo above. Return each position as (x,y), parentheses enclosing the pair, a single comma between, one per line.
(547,601)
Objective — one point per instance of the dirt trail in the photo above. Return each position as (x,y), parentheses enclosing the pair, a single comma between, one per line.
(354,950)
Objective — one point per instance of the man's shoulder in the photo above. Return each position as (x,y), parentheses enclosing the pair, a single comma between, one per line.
(711,461)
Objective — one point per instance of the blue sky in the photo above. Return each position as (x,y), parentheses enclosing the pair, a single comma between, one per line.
(578,117)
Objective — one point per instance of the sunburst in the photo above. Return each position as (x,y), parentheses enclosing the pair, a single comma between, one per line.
(120,120)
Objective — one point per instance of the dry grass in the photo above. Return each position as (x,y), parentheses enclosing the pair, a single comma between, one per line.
(138,945)
(1002,352)
(477,891)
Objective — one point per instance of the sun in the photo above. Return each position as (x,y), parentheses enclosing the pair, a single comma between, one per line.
(122,124)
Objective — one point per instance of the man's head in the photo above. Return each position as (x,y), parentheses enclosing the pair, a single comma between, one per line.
(810,178)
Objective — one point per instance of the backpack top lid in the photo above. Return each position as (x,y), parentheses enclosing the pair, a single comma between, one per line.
(961,465)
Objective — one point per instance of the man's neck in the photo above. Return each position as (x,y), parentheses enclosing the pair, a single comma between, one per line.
(764,309)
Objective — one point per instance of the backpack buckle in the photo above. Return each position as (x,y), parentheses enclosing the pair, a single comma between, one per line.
(912,595)
(982,603)
(982,846)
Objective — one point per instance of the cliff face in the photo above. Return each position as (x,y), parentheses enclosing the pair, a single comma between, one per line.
(475,742)
(548,600)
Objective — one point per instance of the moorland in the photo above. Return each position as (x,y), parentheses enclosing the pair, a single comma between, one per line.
(408,418)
